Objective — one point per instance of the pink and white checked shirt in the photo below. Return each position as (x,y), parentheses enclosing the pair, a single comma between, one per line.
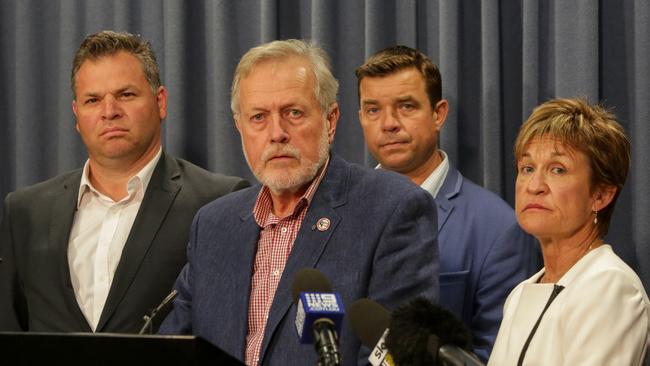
(273,249)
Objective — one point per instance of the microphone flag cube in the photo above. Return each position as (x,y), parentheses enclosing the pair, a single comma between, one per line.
(316,305)
(380,355)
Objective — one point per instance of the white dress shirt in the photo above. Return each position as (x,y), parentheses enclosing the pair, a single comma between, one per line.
(434,181)
(99,232)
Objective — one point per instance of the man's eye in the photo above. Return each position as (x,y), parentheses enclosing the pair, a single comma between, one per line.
(558,170)
(295,113)
(91,101)
(257,118)
(128,94)
(372,110)
(407,106)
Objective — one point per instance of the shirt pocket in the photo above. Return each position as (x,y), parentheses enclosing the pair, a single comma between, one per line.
(452,291)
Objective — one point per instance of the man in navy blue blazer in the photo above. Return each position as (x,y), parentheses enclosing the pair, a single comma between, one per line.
(372,233)
(483,252)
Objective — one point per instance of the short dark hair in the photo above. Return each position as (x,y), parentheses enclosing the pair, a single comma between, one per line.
(393,59)
(109,42)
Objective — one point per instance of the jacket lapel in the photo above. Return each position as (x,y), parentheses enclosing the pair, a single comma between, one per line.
(62,214)
(238,283)
(161,192)
(310,242)
(449,190)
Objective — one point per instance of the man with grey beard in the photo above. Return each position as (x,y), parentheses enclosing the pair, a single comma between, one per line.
(372,233)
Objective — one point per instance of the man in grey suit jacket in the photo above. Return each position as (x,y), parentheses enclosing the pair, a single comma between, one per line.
(97,248)
(483,252)
(372,233)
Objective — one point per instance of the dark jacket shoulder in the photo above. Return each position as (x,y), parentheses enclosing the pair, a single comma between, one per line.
(48,187)
(207,182)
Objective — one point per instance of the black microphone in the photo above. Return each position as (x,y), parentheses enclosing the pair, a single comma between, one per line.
(370,323)
(148,319)
(423,334)
(319,314)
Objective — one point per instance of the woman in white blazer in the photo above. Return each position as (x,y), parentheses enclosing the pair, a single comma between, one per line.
(586,306)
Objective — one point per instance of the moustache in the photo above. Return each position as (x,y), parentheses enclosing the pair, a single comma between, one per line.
(276,151)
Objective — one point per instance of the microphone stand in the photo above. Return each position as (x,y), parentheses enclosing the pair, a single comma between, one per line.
(326,343)
(148,319)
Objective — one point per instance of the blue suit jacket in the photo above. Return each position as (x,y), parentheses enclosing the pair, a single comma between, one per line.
(381,244)
(484,254)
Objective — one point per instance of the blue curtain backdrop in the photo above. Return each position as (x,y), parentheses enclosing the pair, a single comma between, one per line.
(498,60)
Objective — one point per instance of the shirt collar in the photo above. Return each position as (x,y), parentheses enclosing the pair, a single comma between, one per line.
(434,181)
(263,209)
(139,181)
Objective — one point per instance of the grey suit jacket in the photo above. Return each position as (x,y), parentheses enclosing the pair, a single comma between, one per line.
(36,293)
(381,244)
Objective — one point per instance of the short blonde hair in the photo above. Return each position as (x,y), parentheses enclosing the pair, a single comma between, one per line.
(590,129)
(326,87)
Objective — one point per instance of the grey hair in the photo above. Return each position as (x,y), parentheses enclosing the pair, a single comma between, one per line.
(326,87)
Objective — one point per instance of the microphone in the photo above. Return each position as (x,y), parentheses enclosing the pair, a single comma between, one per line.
(422,333)
(319,314)
(148,319)
(370,324)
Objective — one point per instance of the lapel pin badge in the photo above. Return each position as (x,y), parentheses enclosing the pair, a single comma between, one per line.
(323,224)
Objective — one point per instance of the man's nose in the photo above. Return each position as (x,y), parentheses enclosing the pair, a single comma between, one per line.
(279,131)
(111,108)
(390,120)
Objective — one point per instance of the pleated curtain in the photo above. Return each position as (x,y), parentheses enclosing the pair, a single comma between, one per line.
(498,60)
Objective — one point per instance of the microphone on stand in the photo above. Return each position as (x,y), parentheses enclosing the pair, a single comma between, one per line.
(319,314)
(370,324)
(148,319)
(422,333)
(416,334)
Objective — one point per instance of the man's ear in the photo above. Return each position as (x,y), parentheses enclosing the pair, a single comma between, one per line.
(332,117)
(161,99)
(235,116)
(74,111)
(440,110)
